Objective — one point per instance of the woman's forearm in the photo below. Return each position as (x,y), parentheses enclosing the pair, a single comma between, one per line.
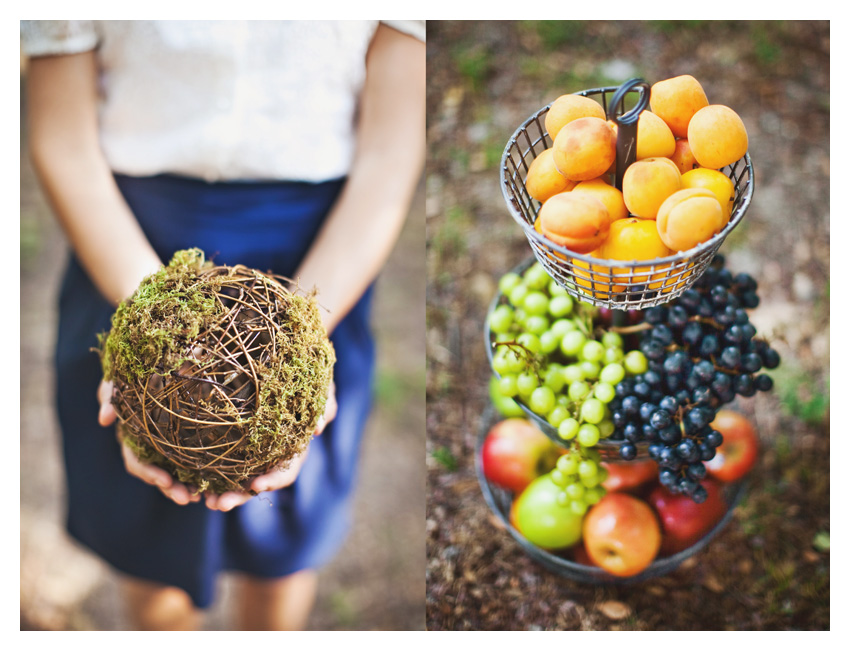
(359,234)
(65,150)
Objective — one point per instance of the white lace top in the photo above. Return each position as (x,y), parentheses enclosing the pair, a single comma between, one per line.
(223,100)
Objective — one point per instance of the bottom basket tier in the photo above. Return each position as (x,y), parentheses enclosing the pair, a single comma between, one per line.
(500,500)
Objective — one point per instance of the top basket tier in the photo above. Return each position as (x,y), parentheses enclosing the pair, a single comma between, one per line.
(607,283)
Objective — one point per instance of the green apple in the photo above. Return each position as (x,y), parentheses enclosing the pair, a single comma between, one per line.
(537,515)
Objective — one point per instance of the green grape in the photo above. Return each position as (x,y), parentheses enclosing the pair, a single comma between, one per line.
(536,277)
(560,305)
(573,373)
(501,364)
(559,478)
(592,351)
(590,370)
(587,468)
(542,400)
(572,342)
(606,428)
(504,336)
(568,463)
(556,289)
(578,390)
(535,303)
(526,383)
(635,362)
(568,429)
(501,319)
(557,415)
(574,491)
(549,342)
(604,392)
(593,411)
(562,399)
(590,481)
(530,342)
(589,452)
(593,494)
(516,362)
(612,373)
(588,435)
(612,340)
(508,386)
(554,377)
(578,507)
(536,324)
(613,355)
(517,295)
(562,326)
(562,499)
(508,282)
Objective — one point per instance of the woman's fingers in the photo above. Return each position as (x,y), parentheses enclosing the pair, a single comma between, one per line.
(106,416)
(156,476)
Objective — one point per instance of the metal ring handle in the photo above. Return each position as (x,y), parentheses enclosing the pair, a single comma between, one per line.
(627,124)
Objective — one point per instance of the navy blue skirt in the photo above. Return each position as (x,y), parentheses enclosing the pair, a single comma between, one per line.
(131,525)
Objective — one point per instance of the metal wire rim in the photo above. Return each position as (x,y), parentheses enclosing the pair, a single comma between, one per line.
(500,500)
(609,283)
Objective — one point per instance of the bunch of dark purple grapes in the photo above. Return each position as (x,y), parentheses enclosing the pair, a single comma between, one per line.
(702,351)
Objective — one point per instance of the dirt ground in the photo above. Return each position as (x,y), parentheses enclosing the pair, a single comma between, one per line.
(769,569)
(375,583)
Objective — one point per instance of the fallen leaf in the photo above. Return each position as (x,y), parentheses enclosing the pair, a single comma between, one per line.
(614,609)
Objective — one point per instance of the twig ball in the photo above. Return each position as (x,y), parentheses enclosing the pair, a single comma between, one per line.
(221,373)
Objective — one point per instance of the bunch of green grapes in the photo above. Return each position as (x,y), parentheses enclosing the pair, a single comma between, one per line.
(579,475)
(550,356)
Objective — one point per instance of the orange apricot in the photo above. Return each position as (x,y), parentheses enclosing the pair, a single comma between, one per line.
(676,100)
(568,108)
(610,196)
(683,156)
(630,240)
(578,222)
(716,181)
(717,136)
(689,217)
(647,183)
(544,180)
(585,149)
(654,138)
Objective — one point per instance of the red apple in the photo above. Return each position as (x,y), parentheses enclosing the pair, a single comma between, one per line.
(683,521)
(515,453)
(738,453)
(537,515)
(581,556)
(629,475)
(621,534)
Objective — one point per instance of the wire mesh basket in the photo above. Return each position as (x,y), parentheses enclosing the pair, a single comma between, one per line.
(611,283)
(499,500)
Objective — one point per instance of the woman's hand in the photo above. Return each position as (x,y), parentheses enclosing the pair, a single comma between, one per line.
(273,480)
(148,473)
(278,477)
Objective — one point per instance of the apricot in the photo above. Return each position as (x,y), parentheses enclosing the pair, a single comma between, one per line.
(568,108)
(716,181)
(544,180)
(654,138)
(676,100)
(610,196)
(683,156)
(647,183)
(585,149)
(689,217)
(629,240)
(717,136)
(578,222)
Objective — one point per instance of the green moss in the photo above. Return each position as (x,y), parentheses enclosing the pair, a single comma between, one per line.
(152,331)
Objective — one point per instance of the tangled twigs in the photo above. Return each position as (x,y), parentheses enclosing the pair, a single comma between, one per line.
(238,386)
